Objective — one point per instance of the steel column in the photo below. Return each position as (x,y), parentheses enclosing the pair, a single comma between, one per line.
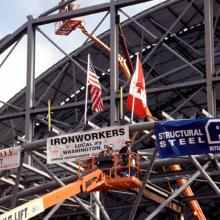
(17,182)
(29,99)
(209,55)
(113,62)
(141,191)
(105,214)
(30,84)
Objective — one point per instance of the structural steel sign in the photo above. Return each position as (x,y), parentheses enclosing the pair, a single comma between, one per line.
(25,211)
(69,147)
(10,158)
(188,137)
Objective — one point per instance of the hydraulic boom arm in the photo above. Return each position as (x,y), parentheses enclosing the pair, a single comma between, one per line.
(37,206)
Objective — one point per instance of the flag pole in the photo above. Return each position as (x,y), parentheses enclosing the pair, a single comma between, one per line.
(135,72)
(121,102)
(49,116)
(87,85)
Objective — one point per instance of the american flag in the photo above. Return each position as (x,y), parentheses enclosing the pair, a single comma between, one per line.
(96,90)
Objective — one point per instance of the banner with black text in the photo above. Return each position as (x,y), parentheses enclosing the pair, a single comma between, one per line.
(70,147)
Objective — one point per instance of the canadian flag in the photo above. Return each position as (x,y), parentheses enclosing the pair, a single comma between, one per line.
(137,99)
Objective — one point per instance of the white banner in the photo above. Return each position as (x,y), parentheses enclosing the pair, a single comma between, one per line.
(85,144)
(10,158)
(25,211)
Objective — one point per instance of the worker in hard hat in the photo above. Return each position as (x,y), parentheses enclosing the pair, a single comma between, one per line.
(126,153)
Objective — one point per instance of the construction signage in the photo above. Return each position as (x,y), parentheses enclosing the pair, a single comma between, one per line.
(25,211)
(10,158)
(85,144)
(188,137)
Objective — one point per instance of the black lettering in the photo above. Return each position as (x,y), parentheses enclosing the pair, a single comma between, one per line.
(101,135)
(51,142)
(87,137)
(66,151)
(17,216)
(121,131)
(25,212)
(114,132)
(64,140)
(94,136)
(79,138)
(71,139)
(56,141)
(108,134)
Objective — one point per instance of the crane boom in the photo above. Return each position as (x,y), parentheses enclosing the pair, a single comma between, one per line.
(93,181)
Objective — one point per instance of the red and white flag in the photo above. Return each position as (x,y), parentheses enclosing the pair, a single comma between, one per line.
(95,90)
(137,99)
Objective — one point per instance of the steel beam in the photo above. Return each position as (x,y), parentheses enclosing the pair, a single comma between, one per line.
(52,211)
(187,100)
(54,177)
(141,191)
(29,99)
(17,182)
(62,51)
(30,84)
(93,31)
(158,195)
(12,38)
(52,83)
(60,5)
(176,36)
(36,189)
(209,55)
(11,50)
(105,214)
(176,193)
(85,11)
(206,176)
(113,62)
(74,89)
(160,41)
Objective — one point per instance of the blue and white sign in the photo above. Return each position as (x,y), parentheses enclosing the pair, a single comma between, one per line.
(188,137)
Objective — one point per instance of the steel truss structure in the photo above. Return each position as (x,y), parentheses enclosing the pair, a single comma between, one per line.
(178,41)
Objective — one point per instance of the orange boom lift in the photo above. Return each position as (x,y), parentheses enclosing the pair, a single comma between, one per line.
(93,180)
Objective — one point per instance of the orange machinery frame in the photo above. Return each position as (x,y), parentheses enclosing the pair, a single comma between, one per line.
(94,180)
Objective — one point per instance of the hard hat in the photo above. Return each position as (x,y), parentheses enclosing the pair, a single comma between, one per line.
(128,141)
(110,146)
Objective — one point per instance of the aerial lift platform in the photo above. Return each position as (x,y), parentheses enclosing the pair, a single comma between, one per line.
(92,179)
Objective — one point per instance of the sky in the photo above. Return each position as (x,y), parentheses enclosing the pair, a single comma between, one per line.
(13,13)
